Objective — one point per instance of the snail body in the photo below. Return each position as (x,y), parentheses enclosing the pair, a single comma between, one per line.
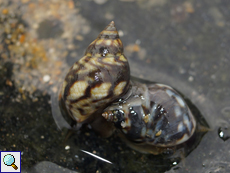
(98,91)
(154,116)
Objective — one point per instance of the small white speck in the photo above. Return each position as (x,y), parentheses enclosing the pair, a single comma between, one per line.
(105,51)
(109,16)
(138,41)
(18,43)
(25,136)
(35,26)
(174,163)
(123,125)
(221,134)
(142,98)
(46,78)
(26,45)
(9,36)
(213,76)
(121,33)
(42,137)
(182,71)
(51,50)
(67,147)
(190,79)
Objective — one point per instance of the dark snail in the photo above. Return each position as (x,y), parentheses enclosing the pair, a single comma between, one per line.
(152,117)
(98,90)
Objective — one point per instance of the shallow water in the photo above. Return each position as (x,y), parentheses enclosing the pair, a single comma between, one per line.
(182,44)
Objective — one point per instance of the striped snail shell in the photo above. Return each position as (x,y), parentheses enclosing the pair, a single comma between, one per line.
(97,79)
(98,90)
(152,118)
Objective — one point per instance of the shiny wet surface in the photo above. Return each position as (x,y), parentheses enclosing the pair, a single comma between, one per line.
(182,44)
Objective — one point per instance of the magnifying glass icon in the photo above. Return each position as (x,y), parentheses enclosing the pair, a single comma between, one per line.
(9,160)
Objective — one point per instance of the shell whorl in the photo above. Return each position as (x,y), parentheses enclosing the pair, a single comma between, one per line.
(97,79)
(107,42)
(155,114)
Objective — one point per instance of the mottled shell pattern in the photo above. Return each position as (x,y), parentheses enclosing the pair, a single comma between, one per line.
(97,79)
(98,90)
(153,114)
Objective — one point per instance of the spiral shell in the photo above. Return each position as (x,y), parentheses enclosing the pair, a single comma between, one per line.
(98,90)
(97,79)
(154,115)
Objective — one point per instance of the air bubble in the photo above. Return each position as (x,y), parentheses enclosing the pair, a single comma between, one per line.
(224,133)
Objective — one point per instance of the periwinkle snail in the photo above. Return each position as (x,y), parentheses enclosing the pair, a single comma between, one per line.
(98,91)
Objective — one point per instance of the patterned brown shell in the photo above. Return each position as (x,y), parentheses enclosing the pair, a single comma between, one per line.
(97,79)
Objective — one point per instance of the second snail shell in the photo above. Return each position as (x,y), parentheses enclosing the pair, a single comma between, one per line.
(97,90)
(152,118)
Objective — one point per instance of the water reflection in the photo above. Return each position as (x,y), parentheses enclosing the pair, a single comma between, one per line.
(97,157)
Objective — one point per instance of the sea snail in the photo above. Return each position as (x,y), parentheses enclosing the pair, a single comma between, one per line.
(100,77)
(152,118)
(98,90)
